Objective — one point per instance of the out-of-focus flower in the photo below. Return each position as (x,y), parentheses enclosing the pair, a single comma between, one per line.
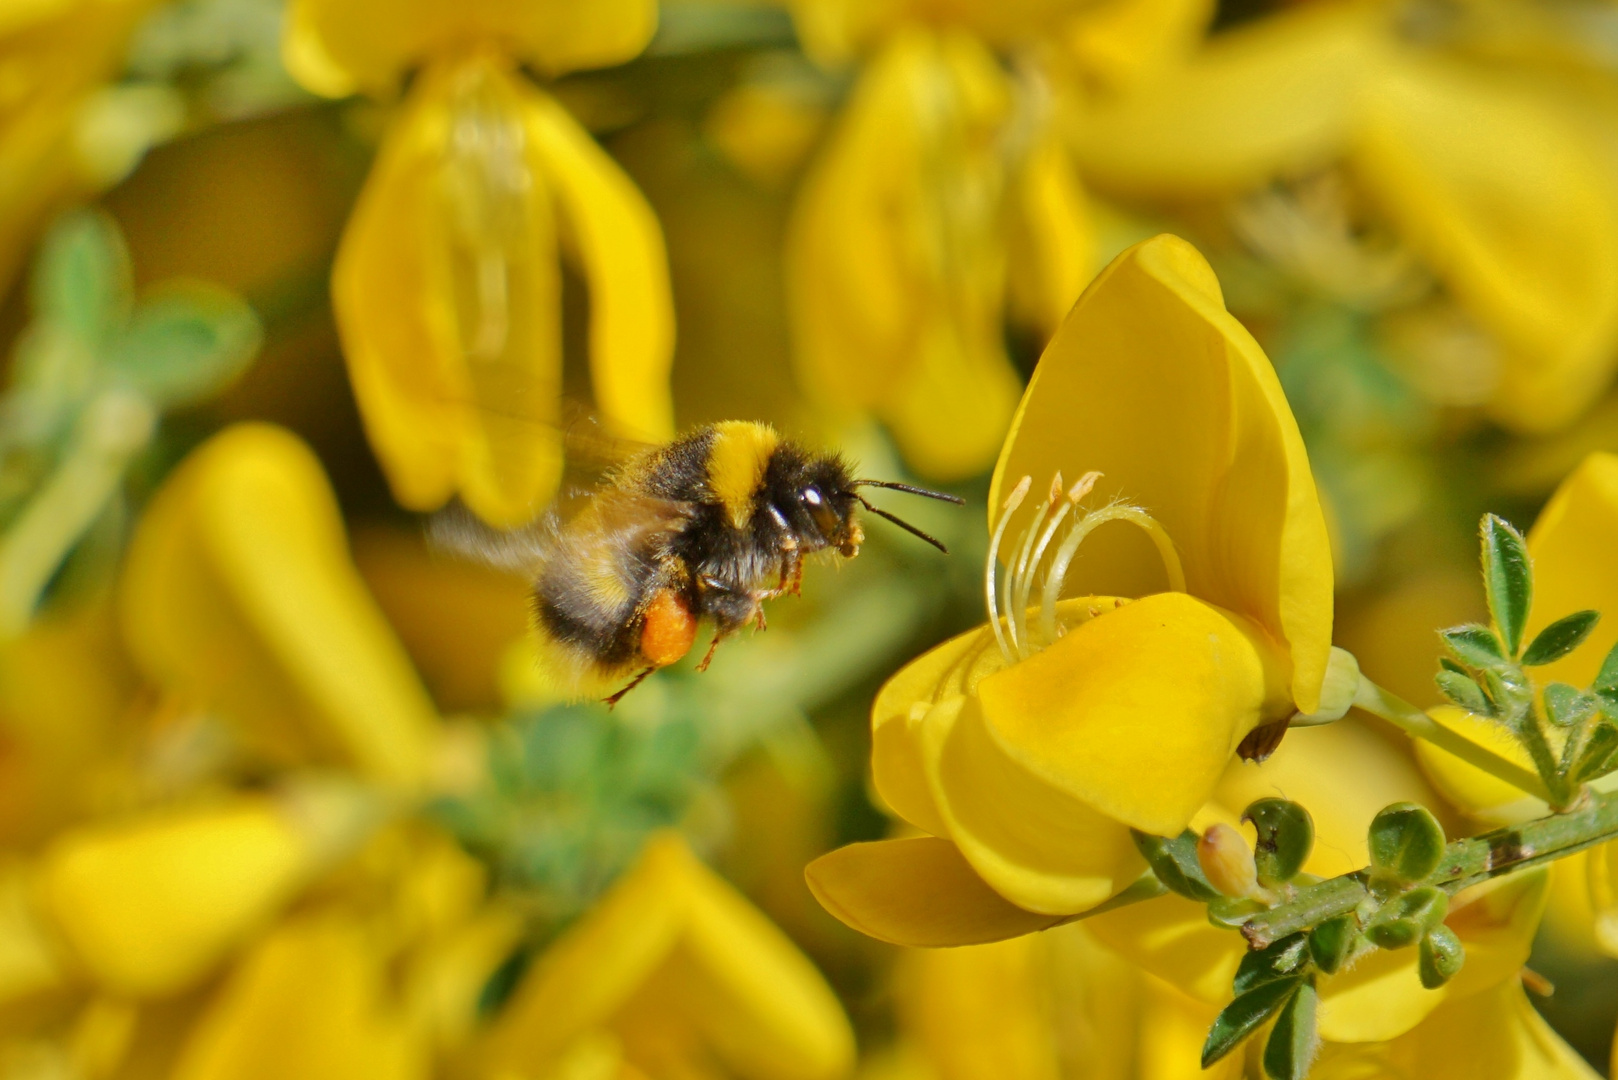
(447,284)
(1030,751)
(239,597)
(1493,184)
(672,973)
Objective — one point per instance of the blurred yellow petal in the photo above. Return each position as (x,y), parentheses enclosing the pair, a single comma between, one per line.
(1099,716)
(1279,96)
(308,1003)
(1481,795)
(34,972)
(1122,42)
(620,250)
(152,905)
(335,47)
(673,940)
(918,891)
(1572,543)
(1056,255)
(1151,382)
(834,30)
(1496,1035)
(447,293)
(895,265)
(1601,881)
(239,596)
(1171,938)
(1507,202)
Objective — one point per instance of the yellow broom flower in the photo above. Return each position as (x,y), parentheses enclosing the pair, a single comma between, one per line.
(1030,747)
(447,285)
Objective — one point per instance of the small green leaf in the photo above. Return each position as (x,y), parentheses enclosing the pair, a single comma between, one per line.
(1442,956)
(1473,644)
(1286,835)
(1406,841)
(1174,861)
(1230,912)
(1560,638)
(1508,579)
(82,276)
(1449,665)
(1461,690)
(1566,706)
(1599,756)
(1245,1015)
(1332,941)
(1277,960)
(186,344)
(1607,677)
(1293,1041)
(1408,917)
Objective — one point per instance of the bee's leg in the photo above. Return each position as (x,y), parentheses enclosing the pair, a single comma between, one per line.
(636,681)
(707,657)
(794,583)
(758,619)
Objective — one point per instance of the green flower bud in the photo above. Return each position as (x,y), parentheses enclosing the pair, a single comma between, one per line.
(1407,843)
(1332,941)
(1442,955)
(1286,835)
(1408,917)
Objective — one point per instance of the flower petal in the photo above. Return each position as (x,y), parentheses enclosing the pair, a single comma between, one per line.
(1171,938)
(1183,415)
(918,891)
(620,250)
(335,47)
(1479,794)
(1572,544)
(1135,713)
(1496,1035)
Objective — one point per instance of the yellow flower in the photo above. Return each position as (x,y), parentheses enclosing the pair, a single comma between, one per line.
(1494,184)
(447,285)
(1029,748)
(239,596)
(670,971)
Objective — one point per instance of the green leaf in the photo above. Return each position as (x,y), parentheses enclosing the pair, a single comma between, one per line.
(1449,665)
(1406,842)
(1277,960)
(82,276)
(1560,638)
(1293,1041)
(1245,1015)
(1408,917)
(1566,706)
(1441,957)
(1607,677)
(1286,835)
(1508,579)
(1230,912)
(1599,756)
(1461,690)
(186,344)
(1331,941)
(1473,644)
(1174,861)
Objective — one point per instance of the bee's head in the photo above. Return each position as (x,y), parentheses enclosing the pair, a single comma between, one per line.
(817,496)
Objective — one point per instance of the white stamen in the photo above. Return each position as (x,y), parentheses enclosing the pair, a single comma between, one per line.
(1075,495)
(1016,620)
(1083,528)
(1013,501)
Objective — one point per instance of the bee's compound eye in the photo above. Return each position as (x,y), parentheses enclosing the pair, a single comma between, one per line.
(821,513)
(811,497)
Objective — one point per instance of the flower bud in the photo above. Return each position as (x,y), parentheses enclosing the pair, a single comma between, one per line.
(1286,835)
(1406,842)
(1332,941)
(1409,917)
(1442,955)
(1227,862)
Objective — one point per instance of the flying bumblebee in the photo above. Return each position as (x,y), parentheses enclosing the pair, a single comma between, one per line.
(708,526)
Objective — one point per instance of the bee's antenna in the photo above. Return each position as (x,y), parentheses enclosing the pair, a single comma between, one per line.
(939,495)
(905,525)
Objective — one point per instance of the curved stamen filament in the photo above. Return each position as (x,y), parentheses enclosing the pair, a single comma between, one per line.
(1083,528)
(1075,495)
(990,595)
(1016,624)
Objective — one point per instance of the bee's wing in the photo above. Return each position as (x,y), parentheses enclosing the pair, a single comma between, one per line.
(455,530)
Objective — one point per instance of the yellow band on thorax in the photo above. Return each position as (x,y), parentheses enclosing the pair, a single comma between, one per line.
(741,452)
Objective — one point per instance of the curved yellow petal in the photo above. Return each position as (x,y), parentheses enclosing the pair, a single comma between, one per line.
(1506,198)
(1151,381)
(1601,882)
(1479,794)
(1135,713)
(1279,96)
(1171,938)
(895,261)
(335,47)
(918,891)
(447,295)
(239,596)
(151,905)
(34,968)
(1572,544)
(1124,42)
(1497,1035)
(1054,252)
(1034,843)
(620,250)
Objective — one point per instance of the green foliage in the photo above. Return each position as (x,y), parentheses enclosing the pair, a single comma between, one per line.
(1286,835)
(1174,861)
(1507,579)
(1408,917)
(1332,942)
(1473,645)
(1599,755)
(1565,706)
(1246,1014)
(1406,842)
(1560,638)
(1441,958)
(1461,690)
(185,344)
(1293,1041)
(1278,960)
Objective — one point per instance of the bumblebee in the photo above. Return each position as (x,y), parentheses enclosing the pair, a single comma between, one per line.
(707,527)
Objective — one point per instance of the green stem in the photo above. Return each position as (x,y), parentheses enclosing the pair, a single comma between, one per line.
(113,427)
(1411,720)
(1466,863)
